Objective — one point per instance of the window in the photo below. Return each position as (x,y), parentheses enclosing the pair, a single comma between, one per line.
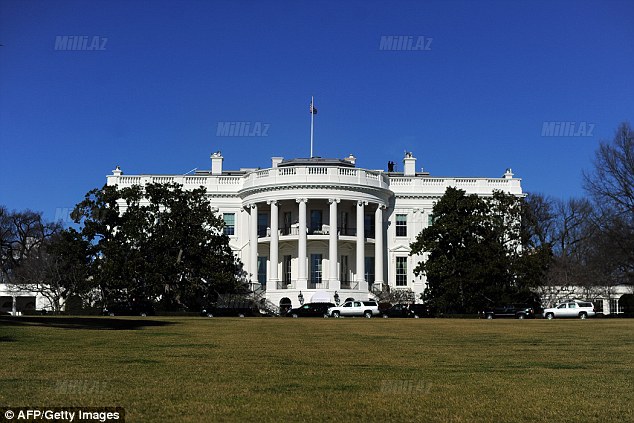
(315,268)
(401,225)
(368,225)
(230,223)
(315,221)
(369,270)
(615,307)
(430,219)
(288,222)
(401,271)
(263,223)
(344,271)
(343,224)
(262,270)
(286,272)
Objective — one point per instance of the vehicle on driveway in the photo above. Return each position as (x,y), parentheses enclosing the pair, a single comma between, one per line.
(511,311)
(571,309)
(355,308)
(310,310)
(232,305)
(407,310)
(233,310)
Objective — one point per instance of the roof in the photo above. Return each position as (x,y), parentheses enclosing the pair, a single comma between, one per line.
(318,161)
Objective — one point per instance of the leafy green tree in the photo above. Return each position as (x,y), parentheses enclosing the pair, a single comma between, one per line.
(160,243)
(474,253)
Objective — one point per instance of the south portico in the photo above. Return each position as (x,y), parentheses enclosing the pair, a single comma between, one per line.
(324,237)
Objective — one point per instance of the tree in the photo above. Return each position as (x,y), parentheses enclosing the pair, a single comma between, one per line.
(570,231)
(473,253)
(57,269)
(611,185)
(159,243)
(21,235)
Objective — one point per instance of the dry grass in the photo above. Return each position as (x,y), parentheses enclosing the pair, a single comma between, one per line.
(223,369)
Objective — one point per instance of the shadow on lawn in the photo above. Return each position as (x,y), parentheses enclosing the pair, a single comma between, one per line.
(94,323)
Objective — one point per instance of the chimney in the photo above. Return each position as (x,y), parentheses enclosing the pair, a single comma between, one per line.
(216,163)
(508,174)
(276,160)
(409,164)
(117,171)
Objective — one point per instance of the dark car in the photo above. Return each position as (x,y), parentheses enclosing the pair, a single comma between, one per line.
(310,310)
(232,305)
(233,309)
(134,308)
(407,310)
(512,311)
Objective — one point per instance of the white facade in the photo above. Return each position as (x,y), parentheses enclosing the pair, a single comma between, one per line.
(322,227)
(15,301)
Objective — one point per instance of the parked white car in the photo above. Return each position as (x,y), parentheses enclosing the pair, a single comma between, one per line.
(355,308)
(580,309)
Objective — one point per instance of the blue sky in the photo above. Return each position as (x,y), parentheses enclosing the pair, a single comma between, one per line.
(473,104)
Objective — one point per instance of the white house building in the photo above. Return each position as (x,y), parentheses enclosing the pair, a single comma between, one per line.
(324,228)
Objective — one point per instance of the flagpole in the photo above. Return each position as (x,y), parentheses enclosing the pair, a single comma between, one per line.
(312,118)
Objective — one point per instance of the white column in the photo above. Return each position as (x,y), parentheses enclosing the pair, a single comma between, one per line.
(274,250)
(334,283)
(253,242)
(378,246)
(363,285)
(301,246)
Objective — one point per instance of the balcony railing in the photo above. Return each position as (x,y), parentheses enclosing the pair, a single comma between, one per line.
(317,285)
(285,284)
(323,230)
(349,285)
(289,230)
(315,174)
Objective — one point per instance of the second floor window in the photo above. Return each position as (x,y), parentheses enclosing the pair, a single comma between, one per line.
(263,223)
(401,225)
(368,224)
(315,220)
(230,223)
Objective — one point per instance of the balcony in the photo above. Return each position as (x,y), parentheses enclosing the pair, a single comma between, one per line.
(323,230)
(315,175)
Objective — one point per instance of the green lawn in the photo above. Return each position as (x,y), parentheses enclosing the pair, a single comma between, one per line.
(303,370)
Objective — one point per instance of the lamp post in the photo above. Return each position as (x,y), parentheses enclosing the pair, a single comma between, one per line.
(336,298)
(300,297)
